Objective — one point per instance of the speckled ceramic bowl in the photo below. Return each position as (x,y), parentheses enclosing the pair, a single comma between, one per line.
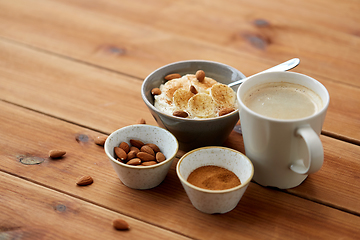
(215,201)
(193,133)
(142,177)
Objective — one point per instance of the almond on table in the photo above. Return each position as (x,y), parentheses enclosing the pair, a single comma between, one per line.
(120,224)
(141,121)
(84,180)
(100,140)
(56,153)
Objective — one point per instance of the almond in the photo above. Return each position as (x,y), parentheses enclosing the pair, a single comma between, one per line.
(160,157)
(141,121)
(148,163)
(172,76)
(124,146)
(100,140)
(145,156)
(147,149)
(193,89)
(155,91)
(120,153)
(225,111)
(153,146)
(120,224)
(56,153)
(180,113)
(84,181)
(135,149)
(136,143)
(200,75)
(131,155)
(134,161)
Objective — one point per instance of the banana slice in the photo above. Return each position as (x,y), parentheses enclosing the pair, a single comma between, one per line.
(202,105)
(202,86)
(181,98)
(170,87)
(223,95)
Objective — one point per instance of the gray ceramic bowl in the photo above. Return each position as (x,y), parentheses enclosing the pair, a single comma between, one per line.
(193,133)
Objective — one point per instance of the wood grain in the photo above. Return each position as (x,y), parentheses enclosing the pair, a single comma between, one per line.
(72,70)
(262,213)
(136,38)
(60,216)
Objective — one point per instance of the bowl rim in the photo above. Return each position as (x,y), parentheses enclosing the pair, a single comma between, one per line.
(242,185)
(188,119)
(168,159)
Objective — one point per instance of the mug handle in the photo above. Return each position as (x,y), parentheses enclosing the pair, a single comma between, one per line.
(315,151)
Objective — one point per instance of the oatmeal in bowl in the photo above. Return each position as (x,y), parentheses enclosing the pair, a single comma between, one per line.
(194,96)
(204,112)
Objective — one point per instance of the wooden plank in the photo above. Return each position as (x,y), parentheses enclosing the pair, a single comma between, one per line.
(262,213)
(105,100)
(31,211)
(136,38)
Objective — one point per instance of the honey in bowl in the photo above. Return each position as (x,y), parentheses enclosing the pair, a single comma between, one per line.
(213,178)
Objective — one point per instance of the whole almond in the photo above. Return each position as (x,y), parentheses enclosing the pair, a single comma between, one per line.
(141,121)
(145,156)
(160,157)
(225,111)
(134,161)
(155,91)
(200,75)
(193,89)
(100,140)
(120,224)
(148,163)
(84,181)
(124,146)
(56,153)
(120,153)
(180,113)
(135,149)
(172,76)
(131,155)
(153,146)
(147,149)
(136,143)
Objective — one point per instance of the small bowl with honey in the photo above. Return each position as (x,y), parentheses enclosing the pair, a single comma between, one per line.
(214,178)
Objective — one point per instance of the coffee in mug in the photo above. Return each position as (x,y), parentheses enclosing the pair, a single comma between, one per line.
(283,100)
(281,116)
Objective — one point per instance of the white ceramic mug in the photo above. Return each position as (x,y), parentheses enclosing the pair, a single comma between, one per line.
(283,152)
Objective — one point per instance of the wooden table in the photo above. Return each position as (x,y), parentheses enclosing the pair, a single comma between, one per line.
(72,70)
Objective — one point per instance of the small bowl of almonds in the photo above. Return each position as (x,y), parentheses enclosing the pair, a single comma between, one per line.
(191,99)
(141,155)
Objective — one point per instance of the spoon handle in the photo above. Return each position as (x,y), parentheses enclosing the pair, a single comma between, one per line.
(290,64)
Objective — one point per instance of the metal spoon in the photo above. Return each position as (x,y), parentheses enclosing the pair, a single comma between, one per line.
(290,64)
